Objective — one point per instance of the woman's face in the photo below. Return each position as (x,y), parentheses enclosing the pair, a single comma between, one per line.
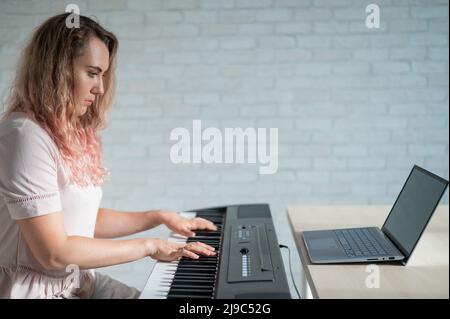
(89,69)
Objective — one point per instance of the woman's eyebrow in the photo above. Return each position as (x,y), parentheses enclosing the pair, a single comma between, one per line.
(95,67)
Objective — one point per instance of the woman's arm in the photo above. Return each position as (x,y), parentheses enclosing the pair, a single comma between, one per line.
(112,224)
(54,250)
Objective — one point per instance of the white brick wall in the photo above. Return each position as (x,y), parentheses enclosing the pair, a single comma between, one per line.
(355,107)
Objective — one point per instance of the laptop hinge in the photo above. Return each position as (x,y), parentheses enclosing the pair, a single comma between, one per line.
(392,240)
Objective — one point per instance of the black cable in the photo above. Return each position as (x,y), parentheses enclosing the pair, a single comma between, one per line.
(290,269)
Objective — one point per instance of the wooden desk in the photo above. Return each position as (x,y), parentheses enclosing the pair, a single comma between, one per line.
(425,276)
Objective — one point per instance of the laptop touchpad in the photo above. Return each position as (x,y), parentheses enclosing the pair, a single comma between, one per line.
(323,243)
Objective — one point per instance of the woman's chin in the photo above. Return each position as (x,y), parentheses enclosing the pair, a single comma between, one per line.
(82,110)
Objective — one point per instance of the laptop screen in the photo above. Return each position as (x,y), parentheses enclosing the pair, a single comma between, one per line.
(413,209)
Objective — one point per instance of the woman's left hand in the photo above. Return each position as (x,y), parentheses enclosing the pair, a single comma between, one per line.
(184,226)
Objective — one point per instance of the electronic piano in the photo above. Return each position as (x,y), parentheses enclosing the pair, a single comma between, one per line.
(248,264)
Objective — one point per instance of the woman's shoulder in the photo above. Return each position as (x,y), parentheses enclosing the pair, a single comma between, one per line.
(19,129)
(19,123)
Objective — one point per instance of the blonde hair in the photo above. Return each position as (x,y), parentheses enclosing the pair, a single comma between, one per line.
(44,90)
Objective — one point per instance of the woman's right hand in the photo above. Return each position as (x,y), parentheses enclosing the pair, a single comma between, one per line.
(164,250)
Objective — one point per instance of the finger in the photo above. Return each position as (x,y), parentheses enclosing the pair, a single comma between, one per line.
(206,224)
(210,226)
(201,251)
(185,231)
(201,223)
(205,245)
(188,232)
(198,249)
(190,254)
(178,253)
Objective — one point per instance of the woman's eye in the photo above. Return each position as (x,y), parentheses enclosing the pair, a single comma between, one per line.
(92,74)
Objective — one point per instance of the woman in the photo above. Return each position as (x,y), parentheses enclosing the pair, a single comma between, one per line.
(51,174)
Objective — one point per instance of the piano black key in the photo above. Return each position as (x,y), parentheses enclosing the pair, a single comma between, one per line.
(211,214)
(199,267)
(191,291)
(192,287)
(192,276)
(196,270)
(209,281)
(185,283)
(195,274)
(196,282)
(201,238)
(205,292)
(199,286)
(207,234)
(183,296)
(198,261)
(204,239)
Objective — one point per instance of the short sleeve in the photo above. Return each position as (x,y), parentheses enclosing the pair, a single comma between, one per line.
(28,171)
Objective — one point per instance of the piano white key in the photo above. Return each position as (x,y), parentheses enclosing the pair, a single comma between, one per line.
(158,283)
(153,288)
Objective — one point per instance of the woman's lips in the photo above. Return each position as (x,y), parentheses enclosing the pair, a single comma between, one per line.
(87,102)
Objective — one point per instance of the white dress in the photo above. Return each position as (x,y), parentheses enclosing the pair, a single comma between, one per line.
(35,182)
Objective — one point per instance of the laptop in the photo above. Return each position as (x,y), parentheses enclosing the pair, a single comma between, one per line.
(400,233)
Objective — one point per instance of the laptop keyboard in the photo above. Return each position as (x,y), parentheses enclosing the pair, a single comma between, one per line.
(360,242)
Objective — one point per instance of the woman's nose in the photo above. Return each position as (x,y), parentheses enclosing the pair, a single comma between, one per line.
(99,89)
